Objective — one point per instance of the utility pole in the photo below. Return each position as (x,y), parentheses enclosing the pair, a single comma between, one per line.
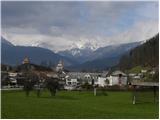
(95,91)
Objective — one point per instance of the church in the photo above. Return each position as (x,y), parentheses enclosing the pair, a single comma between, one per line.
(60,66)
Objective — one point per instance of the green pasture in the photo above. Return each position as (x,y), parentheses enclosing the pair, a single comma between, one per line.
(74,104)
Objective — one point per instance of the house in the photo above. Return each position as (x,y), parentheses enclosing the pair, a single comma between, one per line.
(71,82)
(12,74)
(117,78)
(88,78)
(152,72)
(101,81)
(143,71)
(13,77)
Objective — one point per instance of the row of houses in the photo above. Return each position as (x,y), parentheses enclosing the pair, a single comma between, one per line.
(139,76)
(70,80)
(74,79)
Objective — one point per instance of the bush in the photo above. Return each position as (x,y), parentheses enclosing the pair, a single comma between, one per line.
(86,86)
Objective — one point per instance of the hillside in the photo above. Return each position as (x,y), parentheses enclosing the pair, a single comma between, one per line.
(145,55)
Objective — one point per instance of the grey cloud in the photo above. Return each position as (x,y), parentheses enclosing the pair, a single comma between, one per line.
(71,21)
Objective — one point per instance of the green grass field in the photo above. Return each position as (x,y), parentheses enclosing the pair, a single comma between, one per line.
(72,104)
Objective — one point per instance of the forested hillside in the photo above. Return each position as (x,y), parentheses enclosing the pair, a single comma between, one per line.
(145,55)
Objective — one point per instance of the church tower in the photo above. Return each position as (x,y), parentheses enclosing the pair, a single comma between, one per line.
(60,66)
(26,60)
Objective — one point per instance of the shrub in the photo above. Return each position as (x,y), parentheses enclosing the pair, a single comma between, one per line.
(86,86)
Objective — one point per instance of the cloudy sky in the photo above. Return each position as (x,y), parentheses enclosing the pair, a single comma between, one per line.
(64,25)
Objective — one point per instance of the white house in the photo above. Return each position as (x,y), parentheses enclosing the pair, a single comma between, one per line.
(143,71)
(101,81)
(117,78)
(71,83)
(13,77)
(12,74)
(152,72)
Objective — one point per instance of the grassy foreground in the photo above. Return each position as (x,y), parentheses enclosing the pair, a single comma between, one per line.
(72,104)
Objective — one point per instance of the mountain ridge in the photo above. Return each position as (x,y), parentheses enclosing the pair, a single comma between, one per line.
(102,58)
(74,59)
(14,55)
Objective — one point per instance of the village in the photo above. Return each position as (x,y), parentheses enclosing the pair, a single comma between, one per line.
(69,80)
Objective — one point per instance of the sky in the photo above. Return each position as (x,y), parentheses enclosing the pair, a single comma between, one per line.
(64,25)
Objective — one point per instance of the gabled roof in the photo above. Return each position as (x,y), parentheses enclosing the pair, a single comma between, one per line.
(116,73)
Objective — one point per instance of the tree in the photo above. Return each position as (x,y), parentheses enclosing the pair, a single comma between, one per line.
(30,80)
(86,86)
(156,77)
(28,86)
(52,85)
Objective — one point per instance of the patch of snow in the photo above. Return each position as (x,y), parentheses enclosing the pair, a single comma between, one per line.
(75,52)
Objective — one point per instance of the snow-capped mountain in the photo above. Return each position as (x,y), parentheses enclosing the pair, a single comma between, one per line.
(80,56)
(80,51)
(82,44)
(77,54)
(104,57)
(88,54)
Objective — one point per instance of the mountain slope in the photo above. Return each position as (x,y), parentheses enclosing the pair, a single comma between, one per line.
(5,42)
(113,50)
(146,55)
(14,55)
(96,65)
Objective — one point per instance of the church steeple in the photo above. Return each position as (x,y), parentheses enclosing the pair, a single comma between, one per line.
(26,60)
(60,66)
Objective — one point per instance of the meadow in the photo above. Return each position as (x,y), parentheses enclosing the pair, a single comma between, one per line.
(75,104)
